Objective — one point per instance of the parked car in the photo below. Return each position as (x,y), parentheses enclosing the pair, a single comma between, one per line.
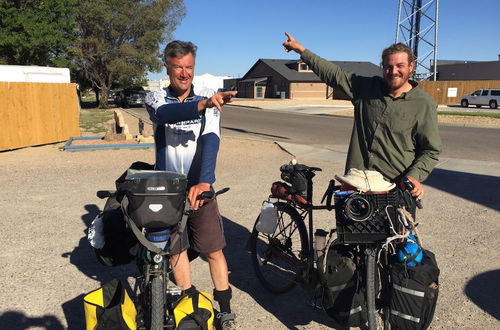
(111,95)
(481,97)
(130,97)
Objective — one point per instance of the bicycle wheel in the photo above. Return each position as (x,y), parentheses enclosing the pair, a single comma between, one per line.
(157,304)
(277,258)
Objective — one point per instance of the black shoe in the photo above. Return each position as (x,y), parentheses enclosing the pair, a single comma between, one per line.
(227,321)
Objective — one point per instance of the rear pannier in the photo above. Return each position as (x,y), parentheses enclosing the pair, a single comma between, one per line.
(414,294)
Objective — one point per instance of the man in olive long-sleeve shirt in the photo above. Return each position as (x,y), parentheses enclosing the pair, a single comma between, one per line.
(395,123)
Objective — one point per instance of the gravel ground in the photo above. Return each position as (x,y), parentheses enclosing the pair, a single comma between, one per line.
(49,201)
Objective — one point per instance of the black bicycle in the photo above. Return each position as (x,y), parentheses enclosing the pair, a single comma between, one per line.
(368,229)
(155,293)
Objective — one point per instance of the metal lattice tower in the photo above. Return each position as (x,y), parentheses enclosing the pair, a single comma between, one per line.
(418,29)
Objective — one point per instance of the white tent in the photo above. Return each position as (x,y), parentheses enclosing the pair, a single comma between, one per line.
(208,81)
(203,82)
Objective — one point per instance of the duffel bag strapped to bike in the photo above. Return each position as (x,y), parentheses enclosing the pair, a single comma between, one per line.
(194,311)
(297,175)
(109,307)
(284,191)
(414,293)
(343,292)
(113,241)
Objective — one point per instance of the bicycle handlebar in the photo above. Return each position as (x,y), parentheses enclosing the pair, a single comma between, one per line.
(101,194)
(211,194)
(409,186)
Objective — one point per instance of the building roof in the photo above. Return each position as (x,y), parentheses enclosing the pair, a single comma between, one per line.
(470,71)
(284,68)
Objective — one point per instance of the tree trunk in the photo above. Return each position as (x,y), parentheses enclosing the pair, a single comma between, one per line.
(103,97)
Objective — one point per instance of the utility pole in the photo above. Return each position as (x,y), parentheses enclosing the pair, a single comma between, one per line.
(418,28)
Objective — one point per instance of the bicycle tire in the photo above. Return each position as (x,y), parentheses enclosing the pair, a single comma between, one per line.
(277,257)
(157,304)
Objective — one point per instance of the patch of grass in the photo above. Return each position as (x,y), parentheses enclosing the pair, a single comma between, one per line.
(472,114)
(94,120)
(90,98)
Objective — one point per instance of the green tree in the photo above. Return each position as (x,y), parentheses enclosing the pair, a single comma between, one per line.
(119,40)
(36,32)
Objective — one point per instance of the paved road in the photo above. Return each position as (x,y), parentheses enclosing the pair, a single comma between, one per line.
(481,144)
(309,126)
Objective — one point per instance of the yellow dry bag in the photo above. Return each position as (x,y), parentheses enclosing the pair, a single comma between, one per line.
(194,311)
(109,307)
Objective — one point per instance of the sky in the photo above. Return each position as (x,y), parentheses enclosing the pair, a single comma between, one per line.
(232,35)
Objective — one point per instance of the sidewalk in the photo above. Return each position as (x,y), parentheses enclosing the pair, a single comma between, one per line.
(345,108)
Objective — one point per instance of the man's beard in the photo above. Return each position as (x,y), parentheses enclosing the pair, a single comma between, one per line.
(395,85)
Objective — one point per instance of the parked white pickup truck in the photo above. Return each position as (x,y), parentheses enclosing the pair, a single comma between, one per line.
(481,97)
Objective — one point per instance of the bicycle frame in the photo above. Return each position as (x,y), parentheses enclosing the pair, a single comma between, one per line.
(371,254)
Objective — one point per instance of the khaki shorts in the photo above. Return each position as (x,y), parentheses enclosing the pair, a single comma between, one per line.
(204,232)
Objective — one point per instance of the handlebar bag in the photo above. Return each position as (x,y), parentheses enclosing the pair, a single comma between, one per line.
(156,199)
(343,292)
(414,293)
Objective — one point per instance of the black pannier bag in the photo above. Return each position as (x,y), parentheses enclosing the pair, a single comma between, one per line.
(343,291)
(414,293)
(296,176)
(156,199)
(120,244)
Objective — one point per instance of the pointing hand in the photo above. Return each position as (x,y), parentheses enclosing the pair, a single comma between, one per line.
(292,44)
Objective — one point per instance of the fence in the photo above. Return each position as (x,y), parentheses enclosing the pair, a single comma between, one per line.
(450,92)
(37,113)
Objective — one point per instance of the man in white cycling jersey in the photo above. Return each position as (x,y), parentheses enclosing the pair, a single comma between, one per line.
(187,136)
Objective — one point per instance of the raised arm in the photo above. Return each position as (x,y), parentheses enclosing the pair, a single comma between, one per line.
(162,112)
(328,72)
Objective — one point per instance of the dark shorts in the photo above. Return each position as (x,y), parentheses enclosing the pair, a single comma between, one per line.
(204,232)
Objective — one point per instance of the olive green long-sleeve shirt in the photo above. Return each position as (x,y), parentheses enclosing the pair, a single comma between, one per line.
(395,136)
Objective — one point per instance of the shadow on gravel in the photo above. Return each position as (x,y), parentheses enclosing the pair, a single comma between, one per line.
(83,257)
(244,131)
(14,320)
(477,188)
(484,290)
(290,308)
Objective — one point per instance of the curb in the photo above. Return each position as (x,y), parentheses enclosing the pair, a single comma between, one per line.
(69,147)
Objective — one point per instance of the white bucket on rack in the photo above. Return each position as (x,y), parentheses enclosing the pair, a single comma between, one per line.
(268,218)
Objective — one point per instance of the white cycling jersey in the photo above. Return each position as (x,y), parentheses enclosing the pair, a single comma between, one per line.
(186,141)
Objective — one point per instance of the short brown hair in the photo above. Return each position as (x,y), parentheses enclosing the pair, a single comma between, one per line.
(398,48)
(178,48)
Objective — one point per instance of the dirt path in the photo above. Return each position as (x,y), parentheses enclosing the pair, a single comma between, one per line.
(47,265)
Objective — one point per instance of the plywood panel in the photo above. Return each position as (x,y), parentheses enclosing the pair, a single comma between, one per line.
(37,113)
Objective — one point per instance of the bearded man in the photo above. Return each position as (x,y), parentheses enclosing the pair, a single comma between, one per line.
(395,123)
